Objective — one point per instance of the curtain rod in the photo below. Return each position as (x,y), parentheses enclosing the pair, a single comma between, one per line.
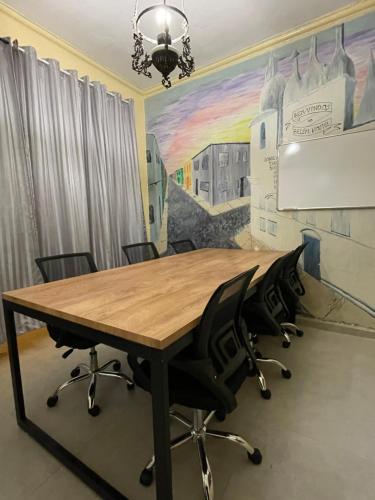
(6,40)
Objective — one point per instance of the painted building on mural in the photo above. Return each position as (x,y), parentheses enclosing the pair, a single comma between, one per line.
(366,112)
(321,102)
(179,176)
(317,104)
(187,175)
(157,185)
(220,172)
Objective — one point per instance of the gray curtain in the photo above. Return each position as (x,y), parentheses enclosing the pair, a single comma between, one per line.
(126,204)
(112,173)
(69,169)
(97,154)
(51,103)
(18,234)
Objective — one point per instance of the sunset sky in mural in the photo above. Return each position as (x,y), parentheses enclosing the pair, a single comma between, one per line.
(219,107)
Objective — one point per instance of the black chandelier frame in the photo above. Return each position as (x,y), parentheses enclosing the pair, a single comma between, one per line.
(141,61)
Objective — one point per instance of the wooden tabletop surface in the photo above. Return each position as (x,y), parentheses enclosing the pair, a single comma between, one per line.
(153,303)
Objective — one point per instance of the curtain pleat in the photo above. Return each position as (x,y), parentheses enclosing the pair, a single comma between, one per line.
(54,130)
(95,130)
(69,169)
(18,236)
(126,204)
(114,194)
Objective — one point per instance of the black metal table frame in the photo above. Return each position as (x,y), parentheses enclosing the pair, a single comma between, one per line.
(160,399)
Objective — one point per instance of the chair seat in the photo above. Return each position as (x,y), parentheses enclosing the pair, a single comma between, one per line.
(184,389)
(67,339)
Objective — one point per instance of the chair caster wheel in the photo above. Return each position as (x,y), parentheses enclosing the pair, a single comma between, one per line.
(300,333)
(51,401)
(146,477)
(130,386)
(286,344)
(256,457)
(220,415)
(74,373)
(117,366)
(286,374)
(266,394)
(94,411)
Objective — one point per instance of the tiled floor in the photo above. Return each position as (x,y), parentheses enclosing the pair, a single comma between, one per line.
(316,434)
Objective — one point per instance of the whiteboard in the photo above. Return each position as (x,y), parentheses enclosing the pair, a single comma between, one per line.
(331,172)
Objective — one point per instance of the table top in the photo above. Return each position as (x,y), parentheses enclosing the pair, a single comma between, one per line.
(153,303)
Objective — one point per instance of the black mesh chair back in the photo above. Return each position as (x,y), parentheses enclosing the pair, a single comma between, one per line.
(269,290)
(140,252)
(290,276)
(58,267)
(218,336)
(209,372)
(183,246)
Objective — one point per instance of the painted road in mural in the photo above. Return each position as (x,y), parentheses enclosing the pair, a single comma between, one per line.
(197,224)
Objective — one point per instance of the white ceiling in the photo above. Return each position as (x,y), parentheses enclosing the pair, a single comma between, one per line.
(102,29)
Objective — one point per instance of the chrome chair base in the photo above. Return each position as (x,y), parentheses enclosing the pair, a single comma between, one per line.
(292,328)
(92,372)
(198,432)
(256,357)
(286,342)
(286,373)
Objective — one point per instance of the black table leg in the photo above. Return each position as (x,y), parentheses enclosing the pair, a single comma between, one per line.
(91,478)
(159,391)
(160,409)
(14,363)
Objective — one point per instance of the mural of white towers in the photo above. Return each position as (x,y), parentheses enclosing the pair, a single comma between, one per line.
(293,87)
(271,96)
(314,75)
(321,101)
(366,112)
(341,64)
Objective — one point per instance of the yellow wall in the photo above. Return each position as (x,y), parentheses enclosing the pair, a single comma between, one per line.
(48,45)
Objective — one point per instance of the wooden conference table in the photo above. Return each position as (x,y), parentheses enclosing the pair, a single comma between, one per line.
(149,310)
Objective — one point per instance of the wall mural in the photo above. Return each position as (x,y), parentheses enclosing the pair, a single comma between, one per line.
(212,154)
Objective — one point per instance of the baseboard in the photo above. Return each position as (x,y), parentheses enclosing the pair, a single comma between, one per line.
(3,348)
(331,326)
(26,340)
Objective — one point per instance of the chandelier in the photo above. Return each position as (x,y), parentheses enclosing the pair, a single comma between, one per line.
(167,53)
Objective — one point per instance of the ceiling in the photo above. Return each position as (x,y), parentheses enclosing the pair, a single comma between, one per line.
(219,28)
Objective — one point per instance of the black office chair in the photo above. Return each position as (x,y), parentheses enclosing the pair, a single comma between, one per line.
(207,375)
(263,313)
(183,246)
(291,284)
(57,267)
(256,358)
(266,311)
(140,252)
